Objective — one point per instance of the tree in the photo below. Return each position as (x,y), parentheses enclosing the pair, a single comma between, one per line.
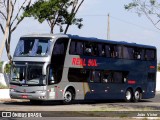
(56,12)
(7,67)
(159,66)
(71,18)
(10,18)
(149,8)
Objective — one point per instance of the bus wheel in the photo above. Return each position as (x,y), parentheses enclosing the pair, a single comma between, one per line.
(128,95)
(68,97)
(137,96)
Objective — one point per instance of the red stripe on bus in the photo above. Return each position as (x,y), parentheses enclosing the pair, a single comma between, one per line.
(131,82)
(151,67)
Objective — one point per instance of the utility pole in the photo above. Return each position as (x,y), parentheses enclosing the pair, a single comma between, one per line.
(108,28)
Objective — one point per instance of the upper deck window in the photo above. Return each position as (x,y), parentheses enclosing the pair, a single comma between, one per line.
(128,52)
(150,54)
(76,47)
(138,53)
(60,46)
(33,47)
(90,49)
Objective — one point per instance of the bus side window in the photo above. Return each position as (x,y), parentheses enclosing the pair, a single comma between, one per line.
(72,49)
(120,77)
(76,48)
(100,53)
(138,53)
(114,76)
(125,77)
(113,51)
(127,52)
(107,77)
(58,48)
(95,76)
(79,48)
(95,49)
(101,50)
(78,75)
(119,51)
(117,77)
(107,51)
(142,54)
(88,48)
(149,54)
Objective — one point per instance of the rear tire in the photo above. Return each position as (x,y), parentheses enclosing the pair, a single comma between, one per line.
(68,96)
(128,95)
(137,96)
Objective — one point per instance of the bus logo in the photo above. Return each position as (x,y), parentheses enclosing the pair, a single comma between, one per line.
(83,62)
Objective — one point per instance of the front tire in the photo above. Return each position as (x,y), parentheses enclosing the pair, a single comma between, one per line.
(128,95)
(68,97)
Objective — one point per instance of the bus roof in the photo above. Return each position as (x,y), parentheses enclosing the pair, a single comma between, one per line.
(90,39)
(111,41)
(45,35)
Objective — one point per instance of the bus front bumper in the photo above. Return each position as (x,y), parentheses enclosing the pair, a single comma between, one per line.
(30,96)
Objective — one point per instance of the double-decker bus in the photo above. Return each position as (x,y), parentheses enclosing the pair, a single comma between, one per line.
(68,67)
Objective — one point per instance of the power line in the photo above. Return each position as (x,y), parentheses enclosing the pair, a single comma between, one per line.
(124,21)
(121,20)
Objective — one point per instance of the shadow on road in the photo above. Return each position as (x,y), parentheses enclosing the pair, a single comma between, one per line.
(58,103)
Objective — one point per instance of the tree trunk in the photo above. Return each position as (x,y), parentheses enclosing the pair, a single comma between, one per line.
(4,41)
(7,28)
(8,47)
(65,32)
(73,13)
(51,30)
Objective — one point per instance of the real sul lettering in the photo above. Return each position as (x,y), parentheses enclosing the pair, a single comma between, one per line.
(84,62)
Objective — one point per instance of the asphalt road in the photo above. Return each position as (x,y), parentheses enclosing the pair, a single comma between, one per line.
(83,108)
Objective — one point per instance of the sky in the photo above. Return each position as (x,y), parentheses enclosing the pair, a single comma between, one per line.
(124,25)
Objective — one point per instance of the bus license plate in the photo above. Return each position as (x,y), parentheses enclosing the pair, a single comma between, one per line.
(24,96)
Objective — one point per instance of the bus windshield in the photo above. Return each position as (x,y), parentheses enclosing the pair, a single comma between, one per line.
(29,46)
(31,76)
